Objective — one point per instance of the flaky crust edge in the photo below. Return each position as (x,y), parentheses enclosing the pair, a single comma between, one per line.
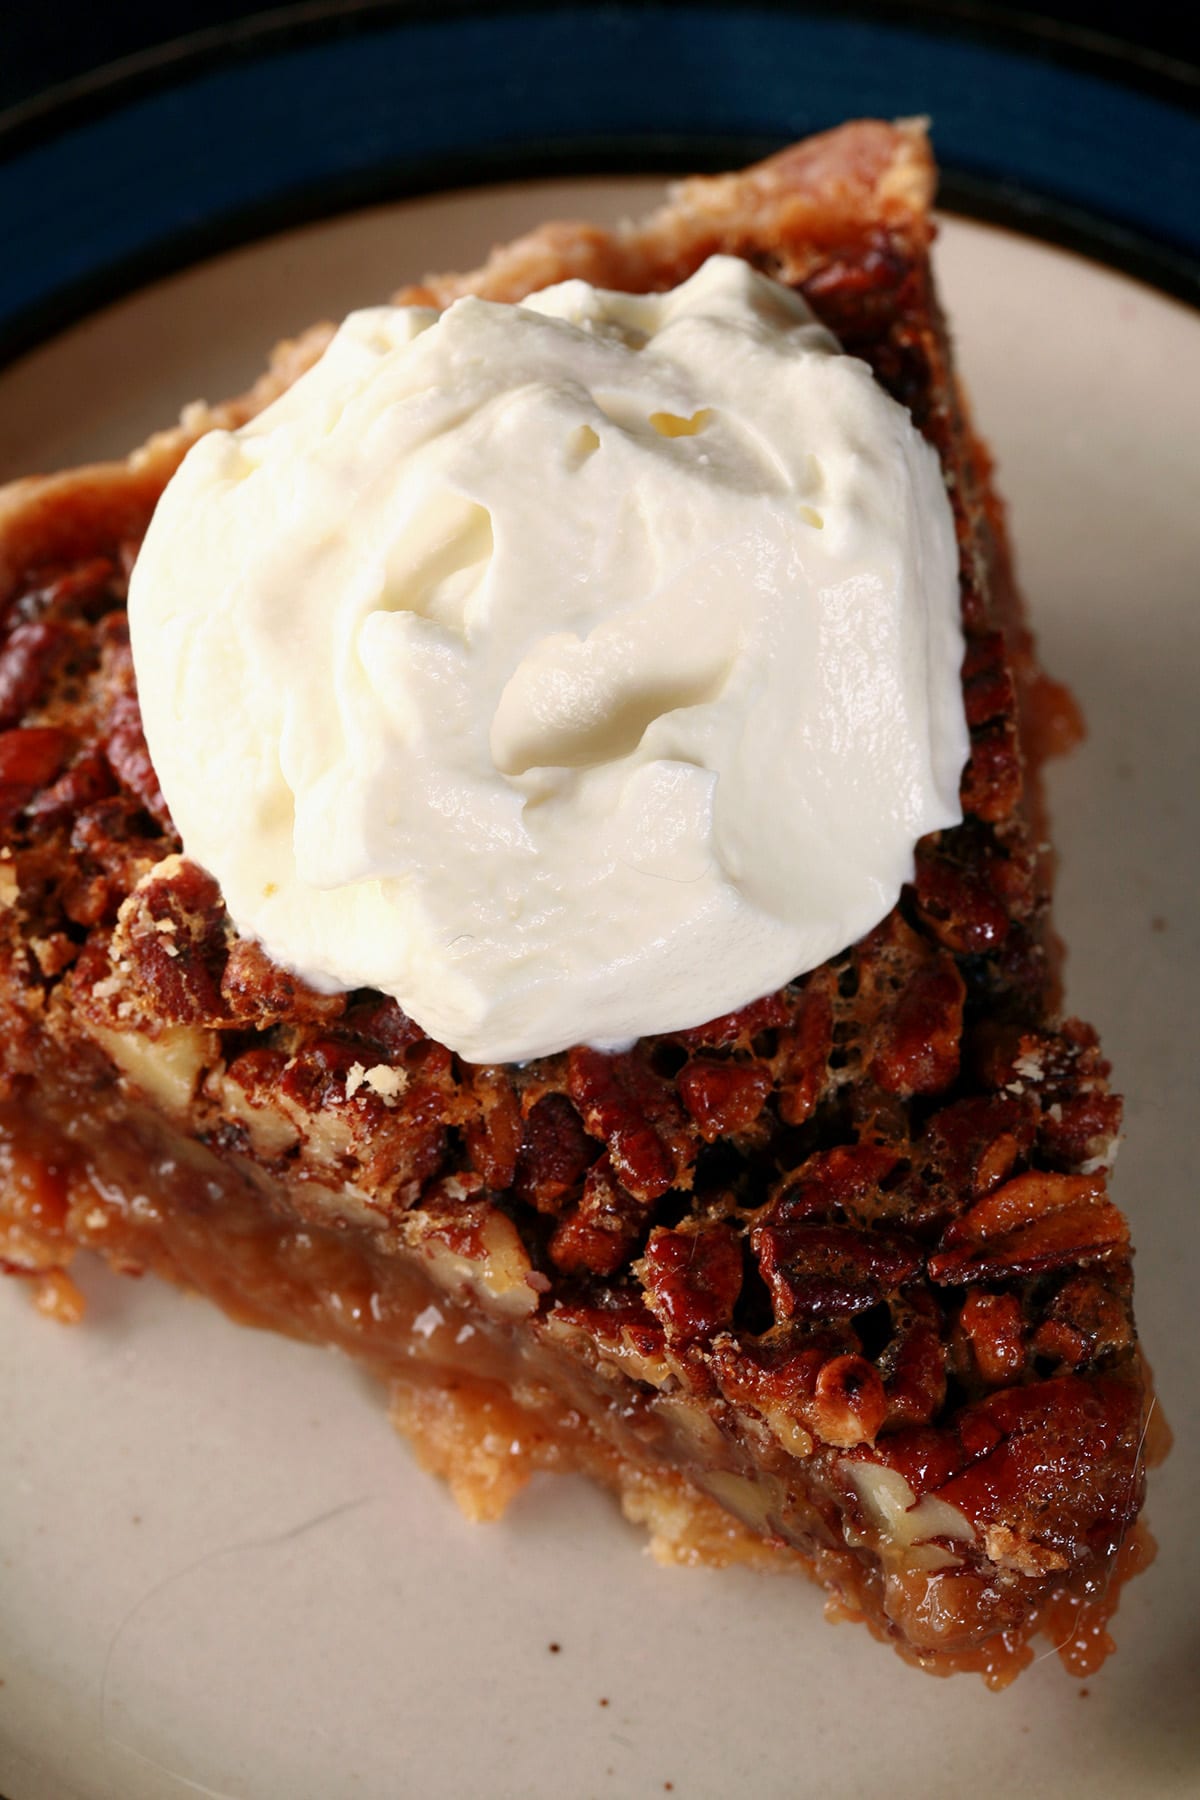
(782,214)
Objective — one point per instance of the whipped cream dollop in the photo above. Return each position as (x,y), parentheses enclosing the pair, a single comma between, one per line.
(571,671)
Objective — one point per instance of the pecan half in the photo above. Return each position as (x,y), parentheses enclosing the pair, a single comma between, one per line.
(1037,1221)
(1051,1462)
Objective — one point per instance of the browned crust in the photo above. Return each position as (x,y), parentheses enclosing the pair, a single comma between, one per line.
(910,1135)
(784,212)
(791,209)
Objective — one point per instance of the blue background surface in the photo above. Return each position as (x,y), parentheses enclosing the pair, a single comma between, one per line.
(398,106)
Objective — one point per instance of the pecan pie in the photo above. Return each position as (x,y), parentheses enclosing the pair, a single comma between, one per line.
(832,1283)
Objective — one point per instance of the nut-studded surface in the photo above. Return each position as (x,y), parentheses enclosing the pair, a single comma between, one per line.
(846,1258)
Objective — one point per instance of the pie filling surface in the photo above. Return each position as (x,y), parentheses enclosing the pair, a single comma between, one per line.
(833,1282)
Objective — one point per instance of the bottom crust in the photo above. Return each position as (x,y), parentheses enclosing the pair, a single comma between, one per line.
(486,1448)
(68,1182)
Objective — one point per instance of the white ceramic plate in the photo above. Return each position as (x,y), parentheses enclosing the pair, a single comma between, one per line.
(220,1573)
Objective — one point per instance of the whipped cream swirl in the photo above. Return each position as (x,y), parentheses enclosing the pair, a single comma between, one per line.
(572,671)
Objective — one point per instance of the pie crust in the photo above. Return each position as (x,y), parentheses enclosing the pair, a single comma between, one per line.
(831,1284)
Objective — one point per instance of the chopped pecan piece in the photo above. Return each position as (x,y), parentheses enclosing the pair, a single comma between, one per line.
(1080,1129)
(818,1270)
(27,662)
(927,1457)
(845,1179)
(317,1075)
(30,758)
(738,1029)
(913,1368)
(89,778)
(975,1142)
(960,906)
(32,755)
(852,285)
(988,691)
(494,1134)
(125,748)
(692,1278)
(257,991)
(919,1047)
(554,1156)
(1060,1064)
(777,1376)
(1085,1322)
(808,1392)
(380,1023)
(257,1072)
(992,780)
(633,1111)
(802,1057)
(603,1231)
(723,1096)
(849,1404)
(618,1326)
(111,854)
(171,943)
(995,1334)
(474,1247)
(905,1010)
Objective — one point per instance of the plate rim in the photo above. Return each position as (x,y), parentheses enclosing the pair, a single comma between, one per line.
(932,28)
(111,84)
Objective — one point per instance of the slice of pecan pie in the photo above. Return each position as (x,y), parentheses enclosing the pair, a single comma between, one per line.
(832,1283)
